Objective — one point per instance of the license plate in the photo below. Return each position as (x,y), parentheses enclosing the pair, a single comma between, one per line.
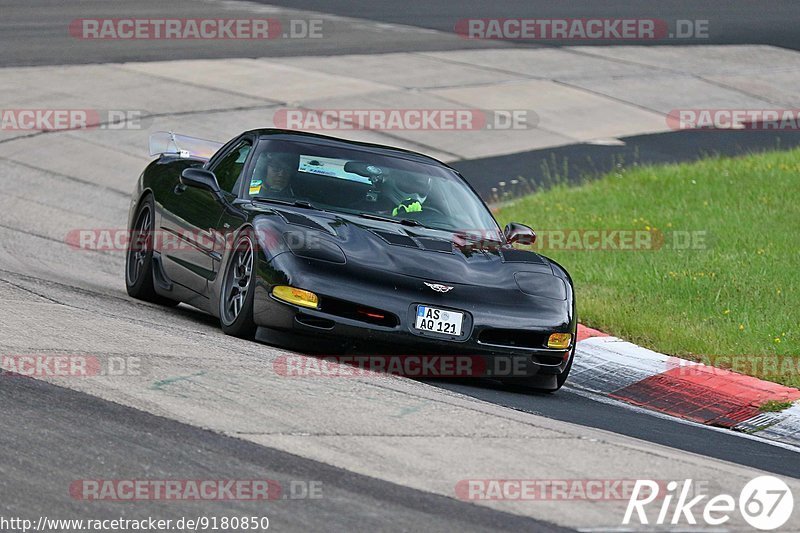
(439,320)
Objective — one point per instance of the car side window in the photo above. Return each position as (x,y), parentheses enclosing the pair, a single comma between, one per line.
(229,169)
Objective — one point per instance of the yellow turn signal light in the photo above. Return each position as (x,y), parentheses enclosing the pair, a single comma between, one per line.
(559,341)
(296,296)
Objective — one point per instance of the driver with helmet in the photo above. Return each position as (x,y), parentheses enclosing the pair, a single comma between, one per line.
(273,175)
(281,168)
(407,192)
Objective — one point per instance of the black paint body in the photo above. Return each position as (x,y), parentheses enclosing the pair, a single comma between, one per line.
(354,264)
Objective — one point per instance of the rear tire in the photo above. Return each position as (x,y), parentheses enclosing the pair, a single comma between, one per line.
(238,289)
(139,257)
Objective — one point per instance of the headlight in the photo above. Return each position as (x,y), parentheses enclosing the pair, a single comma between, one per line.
(540,284)
(310,245)
(559,341)
(296,296)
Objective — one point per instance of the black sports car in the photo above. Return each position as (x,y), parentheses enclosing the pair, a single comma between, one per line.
(343,245)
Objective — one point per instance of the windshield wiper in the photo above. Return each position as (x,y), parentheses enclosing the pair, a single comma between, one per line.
(404,221)
(293,203)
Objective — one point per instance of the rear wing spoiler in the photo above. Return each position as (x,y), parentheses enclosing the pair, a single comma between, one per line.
(168,143)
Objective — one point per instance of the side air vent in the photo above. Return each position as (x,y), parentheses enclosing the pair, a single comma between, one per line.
(511,338)
(315,322)
(355,311)
(300,220)
(396,238)
(437,245)
(521,256)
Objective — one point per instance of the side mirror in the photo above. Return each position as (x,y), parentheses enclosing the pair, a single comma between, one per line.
(200,178)
(519,234)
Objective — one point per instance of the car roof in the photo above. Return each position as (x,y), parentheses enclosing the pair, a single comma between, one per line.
(282,134)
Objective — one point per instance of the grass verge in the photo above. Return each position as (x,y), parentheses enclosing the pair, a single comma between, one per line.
(720,281)
(774,406)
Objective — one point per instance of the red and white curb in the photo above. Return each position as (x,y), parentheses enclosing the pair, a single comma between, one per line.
(693,391)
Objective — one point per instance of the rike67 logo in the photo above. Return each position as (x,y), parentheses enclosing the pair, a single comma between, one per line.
(766,503)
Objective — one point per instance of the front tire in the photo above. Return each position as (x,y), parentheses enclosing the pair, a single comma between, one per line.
(238,288)
(139,257)
(562,377)
(544,383)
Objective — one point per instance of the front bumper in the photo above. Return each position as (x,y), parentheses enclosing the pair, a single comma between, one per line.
(485,311)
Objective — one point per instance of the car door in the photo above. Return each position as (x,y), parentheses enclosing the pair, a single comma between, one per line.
(195,214)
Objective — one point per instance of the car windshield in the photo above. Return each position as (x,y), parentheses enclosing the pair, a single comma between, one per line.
(370,185)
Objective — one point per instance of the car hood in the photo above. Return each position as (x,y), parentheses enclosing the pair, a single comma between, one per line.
(433,255)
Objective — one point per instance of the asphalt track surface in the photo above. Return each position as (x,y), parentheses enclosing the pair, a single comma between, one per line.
(729,22)
(54,436)
(571,406)
(51,435)
(576,162)
(38,35)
